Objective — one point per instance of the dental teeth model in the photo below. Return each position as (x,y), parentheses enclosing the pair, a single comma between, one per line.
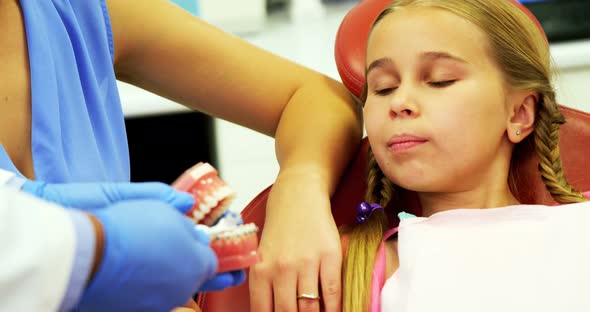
(234,243)
(212,195)
(235,248)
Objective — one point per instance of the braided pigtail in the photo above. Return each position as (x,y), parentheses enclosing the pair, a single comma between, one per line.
(363,242)
(549,119)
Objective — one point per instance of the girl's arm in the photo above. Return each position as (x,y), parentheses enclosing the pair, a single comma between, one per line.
(315,121)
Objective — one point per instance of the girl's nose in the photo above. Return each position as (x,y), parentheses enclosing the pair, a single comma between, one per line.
(402,106)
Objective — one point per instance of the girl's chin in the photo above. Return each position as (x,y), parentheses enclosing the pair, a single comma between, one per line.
(412,186)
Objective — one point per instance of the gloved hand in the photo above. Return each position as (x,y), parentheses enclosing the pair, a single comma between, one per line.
(97,195)
(154,259)
(224,280)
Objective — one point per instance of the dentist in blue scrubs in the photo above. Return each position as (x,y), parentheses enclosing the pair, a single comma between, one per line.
(63,137)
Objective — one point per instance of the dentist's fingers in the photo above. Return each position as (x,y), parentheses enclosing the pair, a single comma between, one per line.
(308,296)
(285,289)
(331,281)
(260,286)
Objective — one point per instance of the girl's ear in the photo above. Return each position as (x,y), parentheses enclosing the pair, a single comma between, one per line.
(522,115)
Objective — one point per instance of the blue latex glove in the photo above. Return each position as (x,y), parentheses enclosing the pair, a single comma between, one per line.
(98,195)
(226,279)
(154,259)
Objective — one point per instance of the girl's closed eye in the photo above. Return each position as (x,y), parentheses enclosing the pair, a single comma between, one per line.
(381,84)
(442,83)
(444,73)
(384,91)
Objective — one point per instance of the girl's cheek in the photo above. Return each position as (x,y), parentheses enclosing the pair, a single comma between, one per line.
(373,114)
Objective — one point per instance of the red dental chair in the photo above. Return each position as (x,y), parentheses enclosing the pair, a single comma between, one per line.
(350,58)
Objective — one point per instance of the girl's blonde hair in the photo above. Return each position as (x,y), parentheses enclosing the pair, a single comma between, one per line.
(521,51)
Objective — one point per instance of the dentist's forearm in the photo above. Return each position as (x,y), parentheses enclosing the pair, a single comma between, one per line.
(318,134)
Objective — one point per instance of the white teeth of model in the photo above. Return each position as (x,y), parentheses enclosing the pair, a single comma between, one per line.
(224,192)
(198,215)
(204,208)
(210,201)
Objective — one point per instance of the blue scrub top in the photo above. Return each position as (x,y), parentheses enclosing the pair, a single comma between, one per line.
(78,130)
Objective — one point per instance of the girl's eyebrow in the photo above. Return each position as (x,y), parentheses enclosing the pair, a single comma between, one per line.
(436,55)
(429,56)
(379,63)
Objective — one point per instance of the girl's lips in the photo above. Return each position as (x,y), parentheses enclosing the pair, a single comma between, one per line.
(403,146)
(404,142)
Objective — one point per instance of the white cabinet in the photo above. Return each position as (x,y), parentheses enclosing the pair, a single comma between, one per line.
(235,16)
(572,60)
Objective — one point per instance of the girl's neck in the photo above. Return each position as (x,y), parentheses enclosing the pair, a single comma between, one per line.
(477,199)
(486,189)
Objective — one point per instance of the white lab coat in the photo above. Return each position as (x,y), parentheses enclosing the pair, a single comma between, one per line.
(37,245)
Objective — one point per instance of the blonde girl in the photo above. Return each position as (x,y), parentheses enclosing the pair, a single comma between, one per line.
(457,91)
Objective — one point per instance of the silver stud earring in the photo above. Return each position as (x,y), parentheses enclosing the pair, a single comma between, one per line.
(517,132)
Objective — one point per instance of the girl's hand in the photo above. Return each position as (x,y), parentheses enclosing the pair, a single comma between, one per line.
(300,250)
